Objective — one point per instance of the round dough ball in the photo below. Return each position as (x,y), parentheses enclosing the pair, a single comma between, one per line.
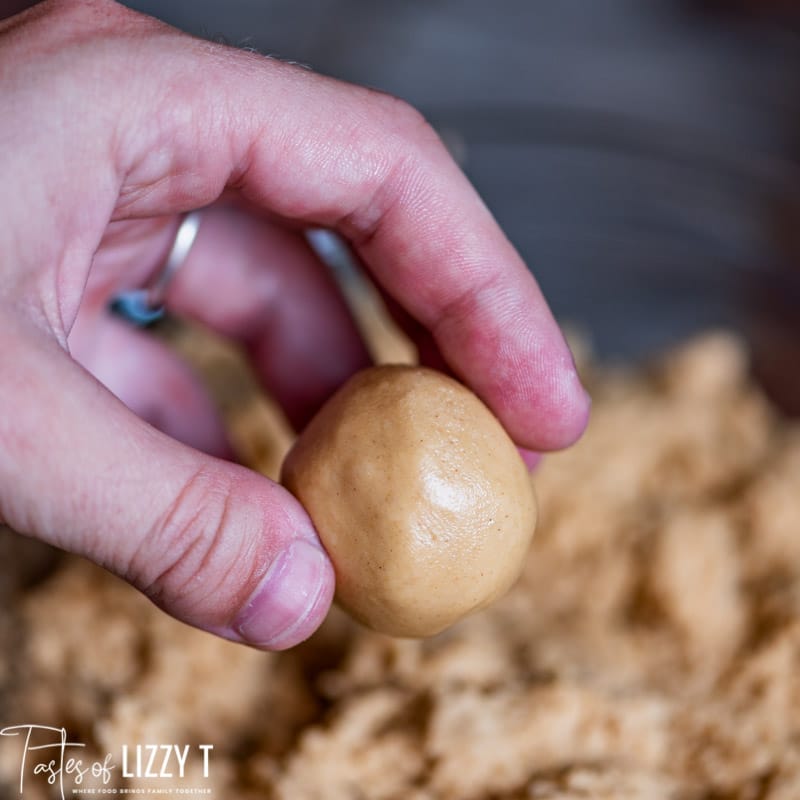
(419,496)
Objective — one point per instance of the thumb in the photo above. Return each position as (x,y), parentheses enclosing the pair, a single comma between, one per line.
(210,542)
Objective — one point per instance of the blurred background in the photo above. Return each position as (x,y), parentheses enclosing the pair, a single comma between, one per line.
(642,155)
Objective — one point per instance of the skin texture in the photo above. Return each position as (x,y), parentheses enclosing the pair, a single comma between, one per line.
(112,125)
(419,496)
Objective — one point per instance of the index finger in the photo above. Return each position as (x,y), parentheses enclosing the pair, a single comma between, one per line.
(428,239)
(322,152)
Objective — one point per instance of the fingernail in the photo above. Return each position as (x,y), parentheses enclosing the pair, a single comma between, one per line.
(291,599)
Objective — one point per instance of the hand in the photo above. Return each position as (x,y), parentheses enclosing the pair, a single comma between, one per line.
(112,124)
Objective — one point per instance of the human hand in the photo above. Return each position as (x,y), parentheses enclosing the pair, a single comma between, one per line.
(113,124)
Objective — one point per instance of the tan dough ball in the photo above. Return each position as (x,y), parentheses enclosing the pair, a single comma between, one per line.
(419,496)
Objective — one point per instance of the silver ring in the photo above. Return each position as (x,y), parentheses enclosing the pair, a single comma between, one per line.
(146,305)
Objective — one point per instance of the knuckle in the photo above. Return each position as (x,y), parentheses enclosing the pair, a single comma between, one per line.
(64,28)
(88,10)
(63,20)
(199,548)
(405,121)
(404,112)
(60,43)
(409,146)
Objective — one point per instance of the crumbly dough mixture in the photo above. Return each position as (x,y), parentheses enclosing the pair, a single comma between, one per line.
(650,650)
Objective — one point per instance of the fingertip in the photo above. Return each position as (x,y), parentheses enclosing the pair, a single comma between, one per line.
(539,398)
(568,416)
(530,458)
(151,380)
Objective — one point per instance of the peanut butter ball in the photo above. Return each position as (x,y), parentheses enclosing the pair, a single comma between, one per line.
(419,496)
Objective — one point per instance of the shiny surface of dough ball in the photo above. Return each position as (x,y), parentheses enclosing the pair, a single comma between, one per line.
(419,496)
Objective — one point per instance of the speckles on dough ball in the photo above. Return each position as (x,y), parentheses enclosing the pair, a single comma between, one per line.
(419,496)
